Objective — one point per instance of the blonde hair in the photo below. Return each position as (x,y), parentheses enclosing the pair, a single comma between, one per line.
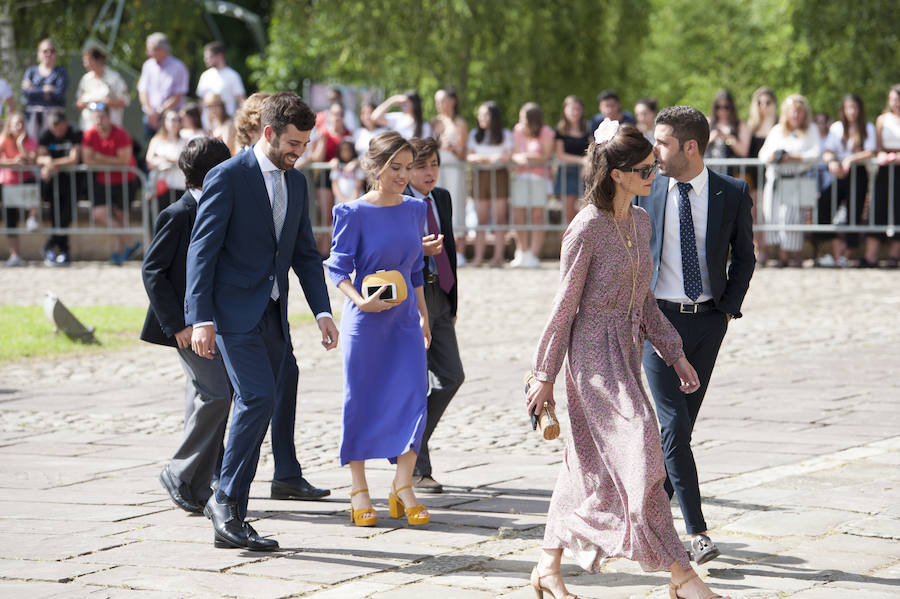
(788,102)
(756,119)
(246,119)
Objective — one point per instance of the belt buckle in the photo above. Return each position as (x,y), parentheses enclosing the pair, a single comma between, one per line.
(691,308)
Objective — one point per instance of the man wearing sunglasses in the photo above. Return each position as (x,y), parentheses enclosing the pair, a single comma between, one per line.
(701,221)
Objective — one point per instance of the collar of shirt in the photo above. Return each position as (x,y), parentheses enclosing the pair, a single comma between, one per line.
(698,183)
(196,193)
(267,166)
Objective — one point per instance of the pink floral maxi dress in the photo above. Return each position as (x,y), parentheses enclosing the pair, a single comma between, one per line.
(609,499)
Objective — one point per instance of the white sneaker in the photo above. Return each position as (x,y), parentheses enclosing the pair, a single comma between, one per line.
(15,260)
(530,261)
(843,262)
(32,224)
(826,261)
(460,260)
(516,262)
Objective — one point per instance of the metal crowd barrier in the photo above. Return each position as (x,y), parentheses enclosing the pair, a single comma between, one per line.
(75,188)
(750,169)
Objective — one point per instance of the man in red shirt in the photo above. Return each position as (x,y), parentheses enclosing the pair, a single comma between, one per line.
(106,144)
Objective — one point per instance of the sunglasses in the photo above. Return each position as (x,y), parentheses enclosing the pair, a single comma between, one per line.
(645,172)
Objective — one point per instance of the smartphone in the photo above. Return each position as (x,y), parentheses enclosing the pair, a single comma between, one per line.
(389,293)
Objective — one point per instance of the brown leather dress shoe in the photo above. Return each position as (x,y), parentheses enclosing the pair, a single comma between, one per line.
(426,484)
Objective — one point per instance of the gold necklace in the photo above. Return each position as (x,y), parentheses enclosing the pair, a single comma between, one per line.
(635,261)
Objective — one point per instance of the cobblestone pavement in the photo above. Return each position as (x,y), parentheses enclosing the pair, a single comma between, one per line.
(797,446)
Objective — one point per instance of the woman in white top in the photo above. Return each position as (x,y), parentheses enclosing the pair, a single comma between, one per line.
(887,134)
(792,148)
(162,159)
(850,142)
(368,129)
(408,122)
(489,148)
(100,84)
(450,131)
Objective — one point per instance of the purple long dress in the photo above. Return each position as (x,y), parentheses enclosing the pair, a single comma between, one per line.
(385,365)
(609,499)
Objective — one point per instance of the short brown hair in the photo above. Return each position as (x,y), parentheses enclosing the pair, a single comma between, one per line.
(626,148)
(424,148)
(687,123)
(285,108)
(382,149)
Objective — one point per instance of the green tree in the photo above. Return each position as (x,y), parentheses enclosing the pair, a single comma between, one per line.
(512,51)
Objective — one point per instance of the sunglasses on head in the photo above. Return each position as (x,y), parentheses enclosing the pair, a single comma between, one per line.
(645,172)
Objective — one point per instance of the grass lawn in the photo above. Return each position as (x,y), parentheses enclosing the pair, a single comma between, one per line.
(28,333)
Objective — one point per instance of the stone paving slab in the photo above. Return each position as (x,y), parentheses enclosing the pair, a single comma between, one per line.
(797,447)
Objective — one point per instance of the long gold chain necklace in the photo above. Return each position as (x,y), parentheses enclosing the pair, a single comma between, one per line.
(634,260)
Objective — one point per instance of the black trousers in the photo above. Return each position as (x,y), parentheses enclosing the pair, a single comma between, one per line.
(445,371)
(59,193)
(702,336)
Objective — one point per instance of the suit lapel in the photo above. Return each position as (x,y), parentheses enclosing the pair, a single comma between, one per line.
(258,189)
(715,206)
(657,197)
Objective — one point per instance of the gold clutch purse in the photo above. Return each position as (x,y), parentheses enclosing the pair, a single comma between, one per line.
(546,420)
(392,280)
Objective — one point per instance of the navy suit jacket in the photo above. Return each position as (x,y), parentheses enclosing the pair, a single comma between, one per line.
(234,258)
(163,271)
(445,215)
(729,237)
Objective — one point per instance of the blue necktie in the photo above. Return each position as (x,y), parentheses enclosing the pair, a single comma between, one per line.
(690,265)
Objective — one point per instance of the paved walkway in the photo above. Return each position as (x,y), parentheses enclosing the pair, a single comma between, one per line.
(797,446)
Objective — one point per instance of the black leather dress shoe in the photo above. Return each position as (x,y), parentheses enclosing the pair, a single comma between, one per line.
(297,488)
(258,543)
(178,491)
(229,529)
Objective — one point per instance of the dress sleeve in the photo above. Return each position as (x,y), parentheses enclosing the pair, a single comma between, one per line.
(575,260)
(658,330)
(344,244)
(416,276)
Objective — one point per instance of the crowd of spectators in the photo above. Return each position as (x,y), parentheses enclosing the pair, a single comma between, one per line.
(816,171)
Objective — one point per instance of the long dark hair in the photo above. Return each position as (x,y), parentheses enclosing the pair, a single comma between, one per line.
(859,134)
(495,132)
(413,97)
(534,119)
(451,93)
(723,96)
(626,148)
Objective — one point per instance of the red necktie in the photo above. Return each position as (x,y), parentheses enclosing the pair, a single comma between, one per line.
(444,272)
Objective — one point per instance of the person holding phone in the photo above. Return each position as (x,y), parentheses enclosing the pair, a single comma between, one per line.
(385,340)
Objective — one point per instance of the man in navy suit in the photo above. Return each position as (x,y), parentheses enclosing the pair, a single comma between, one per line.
(702,247)
(445,370)
(252,226)
(207,392)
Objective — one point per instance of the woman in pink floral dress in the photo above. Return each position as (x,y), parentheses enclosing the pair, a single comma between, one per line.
(609,499)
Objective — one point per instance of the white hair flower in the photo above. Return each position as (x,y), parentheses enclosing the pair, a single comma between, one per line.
(605,131)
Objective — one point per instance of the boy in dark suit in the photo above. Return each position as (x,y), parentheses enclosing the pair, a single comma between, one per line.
(445,371)
(207,390)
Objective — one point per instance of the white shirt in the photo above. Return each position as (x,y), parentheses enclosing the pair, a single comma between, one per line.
(840,149)
(670,284)
(226,82)
(484,148)
(403,124)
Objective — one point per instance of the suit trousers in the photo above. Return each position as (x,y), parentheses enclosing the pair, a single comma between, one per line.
(207,400)
(282,433)
(445,370)
(253,360)
(702,336)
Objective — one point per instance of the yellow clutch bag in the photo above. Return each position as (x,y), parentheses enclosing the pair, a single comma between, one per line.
(392,280)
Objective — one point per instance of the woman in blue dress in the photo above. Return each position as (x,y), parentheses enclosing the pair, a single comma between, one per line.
(385,367)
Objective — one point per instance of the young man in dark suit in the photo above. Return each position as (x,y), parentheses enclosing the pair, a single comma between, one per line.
(252,227)
(207,390)
(702,247)
(445,371)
